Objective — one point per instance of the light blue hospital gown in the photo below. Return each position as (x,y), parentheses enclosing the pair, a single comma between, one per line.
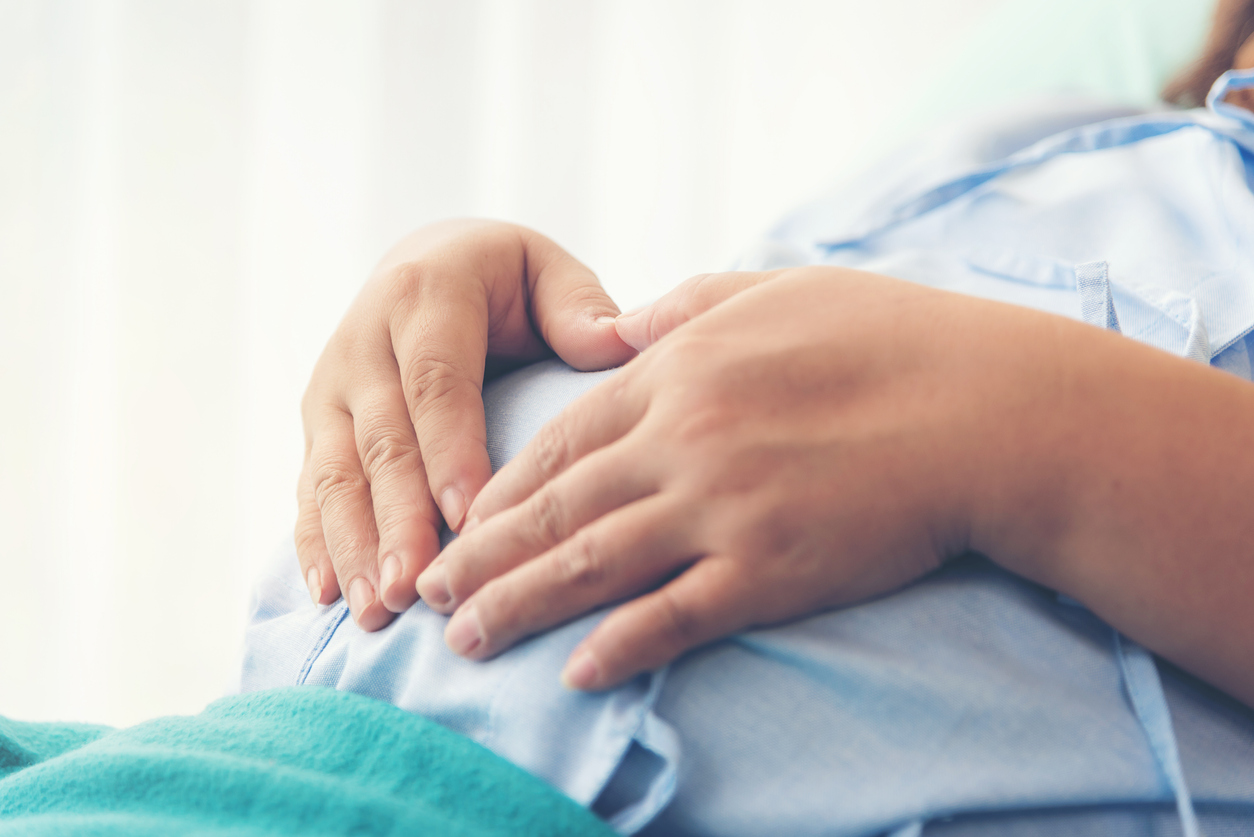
(970,703)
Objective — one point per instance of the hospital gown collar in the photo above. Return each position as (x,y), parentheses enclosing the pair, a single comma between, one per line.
(1231,82)
(1225,121)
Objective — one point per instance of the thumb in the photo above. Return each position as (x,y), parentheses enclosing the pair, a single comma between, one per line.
(641,329)
(571,310)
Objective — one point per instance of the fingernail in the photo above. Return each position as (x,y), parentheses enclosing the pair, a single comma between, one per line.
(314,579)
(606,320)
(581,671)
(626,325)
(464,634)
(390,572)
(453,504)
(360,597)
(433,587)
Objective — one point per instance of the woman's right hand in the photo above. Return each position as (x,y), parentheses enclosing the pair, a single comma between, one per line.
(395,442)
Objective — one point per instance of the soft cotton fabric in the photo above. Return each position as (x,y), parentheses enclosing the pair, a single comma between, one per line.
(971,702)
(286,761)
(972,692)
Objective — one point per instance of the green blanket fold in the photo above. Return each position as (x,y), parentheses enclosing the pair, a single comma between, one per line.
(287,761)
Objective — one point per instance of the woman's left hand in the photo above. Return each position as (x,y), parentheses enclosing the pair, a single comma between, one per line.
(813,441)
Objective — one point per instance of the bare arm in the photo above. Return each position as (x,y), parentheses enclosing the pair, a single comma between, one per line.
(1151,502)
(789,445)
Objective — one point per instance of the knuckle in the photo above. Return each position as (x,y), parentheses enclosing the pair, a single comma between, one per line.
(699,430)
(552,449)
(580,562)
(698,421)
(383,447)
(763,530)
(334,482)
(618,392)
(692,292)
(430,377)
(407,288)
(687,350)
(548,518)
(403,285)
(676,620)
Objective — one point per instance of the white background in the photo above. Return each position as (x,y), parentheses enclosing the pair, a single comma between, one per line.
(191,193)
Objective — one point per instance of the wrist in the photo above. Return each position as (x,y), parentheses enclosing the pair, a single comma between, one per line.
(1048,452)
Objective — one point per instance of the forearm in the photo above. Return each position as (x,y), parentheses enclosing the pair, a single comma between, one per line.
(1143,475)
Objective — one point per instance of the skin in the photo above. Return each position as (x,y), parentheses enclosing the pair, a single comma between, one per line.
(759,473)
(1244,60)
(393,415)
(783,444)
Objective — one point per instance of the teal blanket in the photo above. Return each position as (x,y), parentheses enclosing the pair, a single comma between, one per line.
(287,761)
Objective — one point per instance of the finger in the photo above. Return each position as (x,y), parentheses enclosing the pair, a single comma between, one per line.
(641,329)
(439,338)
(597,418)
(571,310)
(705,603)
(342,495)
(311,547)
(618,555)
(406,518)
(597,484)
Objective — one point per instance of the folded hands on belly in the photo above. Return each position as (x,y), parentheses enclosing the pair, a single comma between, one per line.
(782,443)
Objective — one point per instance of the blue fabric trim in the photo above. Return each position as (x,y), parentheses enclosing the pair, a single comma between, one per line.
(320,644)
(1145,691)
(1097,305)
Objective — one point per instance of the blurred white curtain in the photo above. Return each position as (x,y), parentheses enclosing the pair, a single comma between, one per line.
(190,194)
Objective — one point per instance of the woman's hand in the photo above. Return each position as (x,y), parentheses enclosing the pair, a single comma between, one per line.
(816,440)
(394,428)
(829,435)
